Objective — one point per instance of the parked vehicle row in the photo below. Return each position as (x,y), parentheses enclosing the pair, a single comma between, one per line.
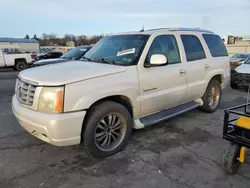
(125,81)
(74,54)
(48,55)
(17,61)
(20,61)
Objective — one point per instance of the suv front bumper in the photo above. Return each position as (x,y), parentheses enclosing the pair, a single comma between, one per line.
(242,80)
(57,129)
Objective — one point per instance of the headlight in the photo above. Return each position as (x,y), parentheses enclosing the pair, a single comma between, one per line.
(239,63)
(51,100)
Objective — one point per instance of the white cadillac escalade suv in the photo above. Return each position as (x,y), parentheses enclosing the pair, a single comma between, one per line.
(128,80)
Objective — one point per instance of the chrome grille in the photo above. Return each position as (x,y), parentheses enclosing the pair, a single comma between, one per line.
(25,92)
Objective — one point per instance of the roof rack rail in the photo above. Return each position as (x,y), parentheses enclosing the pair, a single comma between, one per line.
(157,29)
(182,29)
(190,29)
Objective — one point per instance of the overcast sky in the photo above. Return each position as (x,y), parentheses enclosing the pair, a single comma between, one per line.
(21,17)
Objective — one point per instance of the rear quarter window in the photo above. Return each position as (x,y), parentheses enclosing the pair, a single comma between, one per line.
(215,45)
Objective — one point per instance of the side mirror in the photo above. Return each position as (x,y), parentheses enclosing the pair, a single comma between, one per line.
(158,59)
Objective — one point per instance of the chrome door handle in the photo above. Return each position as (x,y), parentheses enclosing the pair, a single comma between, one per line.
(207,66)
(182,72)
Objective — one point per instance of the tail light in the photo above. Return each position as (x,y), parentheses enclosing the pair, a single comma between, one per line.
(33,56)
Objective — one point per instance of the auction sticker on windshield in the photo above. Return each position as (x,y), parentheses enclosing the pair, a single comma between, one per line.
(125,52)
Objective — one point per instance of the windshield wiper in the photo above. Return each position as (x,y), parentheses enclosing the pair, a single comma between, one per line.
(88,59)
(112,62)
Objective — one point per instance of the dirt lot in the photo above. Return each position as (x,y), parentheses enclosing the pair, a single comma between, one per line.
(183,152)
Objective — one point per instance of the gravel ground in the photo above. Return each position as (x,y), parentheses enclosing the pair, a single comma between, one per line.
(182,152)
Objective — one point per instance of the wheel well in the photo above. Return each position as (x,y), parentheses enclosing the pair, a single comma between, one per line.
(20,60)
(123,100)
(219,78)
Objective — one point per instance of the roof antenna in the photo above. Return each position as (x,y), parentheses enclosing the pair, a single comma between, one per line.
(142,28)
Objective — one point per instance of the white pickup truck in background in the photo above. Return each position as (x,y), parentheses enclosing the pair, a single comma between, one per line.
(18,61)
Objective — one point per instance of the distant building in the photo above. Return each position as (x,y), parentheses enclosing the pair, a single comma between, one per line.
(244,40)
(19,45)
(237,44)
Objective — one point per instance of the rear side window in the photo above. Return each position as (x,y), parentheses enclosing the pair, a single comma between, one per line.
(215,45)
(193,48)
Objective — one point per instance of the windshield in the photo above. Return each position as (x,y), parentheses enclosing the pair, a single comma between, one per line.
(247,61)
(120,49)
(42,54)
(75,53)
(240,56)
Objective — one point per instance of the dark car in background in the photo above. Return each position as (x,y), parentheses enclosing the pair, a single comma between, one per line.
(74,54)
(48,55)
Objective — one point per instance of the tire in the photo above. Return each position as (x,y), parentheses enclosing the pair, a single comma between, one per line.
(94,126)
(21,65)
(233,85)
(230,164)
(246,89)
(207,106)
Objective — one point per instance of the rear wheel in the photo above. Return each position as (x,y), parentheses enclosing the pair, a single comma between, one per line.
(21,65)
(230,162)
(107,129)
(212,97)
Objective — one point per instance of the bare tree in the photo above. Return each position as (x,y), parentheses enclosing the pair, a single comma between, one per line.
(94,39)
(81,40)
(27,37)
(44,40)
(52,39)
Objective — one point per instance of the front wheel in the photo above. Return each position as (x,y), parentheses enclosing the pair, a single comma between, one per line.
(107,129)
(230,163)
(212,97)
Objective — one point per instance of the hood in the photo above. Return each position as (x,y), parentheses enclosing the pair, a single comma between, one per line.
(236,60)
(41,54)
(50,61)
(244,68)
(68,72)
